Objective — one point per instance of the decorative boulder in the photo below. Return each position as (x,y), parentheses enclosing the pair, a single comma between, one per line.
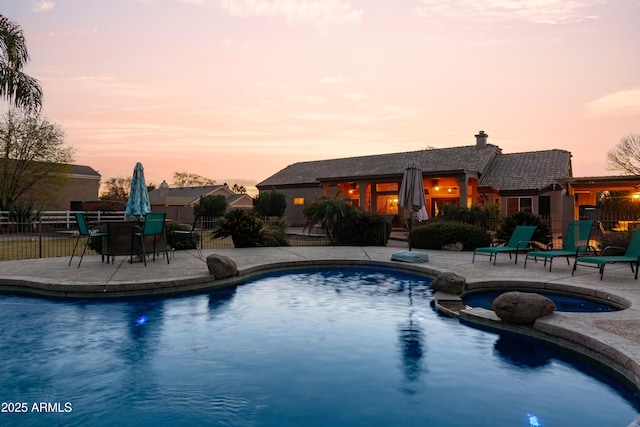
(457,246)
(450,283)
(522,307)
(221,267)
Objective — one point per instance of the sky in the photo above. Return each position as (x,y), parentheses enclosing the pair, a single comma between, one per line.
(236,90)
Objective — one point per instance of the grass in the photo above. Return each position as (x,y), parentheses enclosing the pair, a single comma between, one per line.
(34,247)
(17,247)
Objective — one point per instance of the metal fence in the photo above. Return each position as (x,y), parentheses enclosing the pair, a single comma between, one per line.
(53,234)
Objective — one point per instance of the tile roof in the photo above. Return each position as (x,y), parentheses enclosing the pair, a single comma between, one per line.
(534,170)
(187,192)
(434,161)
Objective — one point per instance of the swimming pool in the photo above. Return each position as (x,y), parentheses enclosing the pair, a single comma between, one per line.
(356,347)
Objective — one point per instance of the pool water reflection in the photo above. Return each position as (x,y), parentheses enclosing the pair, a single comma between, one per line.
(322,347)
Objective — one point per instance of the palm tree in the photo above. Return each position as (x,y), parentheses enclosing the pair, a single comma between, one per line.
(327,212)
(16,87)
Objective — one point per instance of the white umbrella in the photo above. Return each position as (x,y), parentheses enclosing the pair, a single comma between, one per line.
(138,204)
(411,197)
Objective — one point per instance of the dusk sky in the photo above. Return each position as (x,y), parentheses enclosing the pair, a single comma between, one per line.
(236,90)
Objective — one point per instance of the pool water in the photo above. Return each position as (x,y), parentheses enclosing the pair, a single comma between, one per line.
(563,303)
(346,347)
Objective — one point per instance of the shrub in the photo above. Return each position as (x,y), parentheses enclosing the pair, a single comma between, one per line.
(24,214)
(274,234)
(210,207)
(475,215)
(619,239)
(244,228)
(180,241)
(436,234)
(327,212)
(363,229)
(270,203)
(510,222)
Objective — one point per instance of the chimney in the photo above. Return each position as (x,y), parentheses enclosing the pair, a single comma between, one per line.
(481,139)
(164,192)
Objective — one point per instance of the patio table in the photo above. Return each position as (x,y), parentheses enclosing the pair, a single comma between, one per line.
(120,233)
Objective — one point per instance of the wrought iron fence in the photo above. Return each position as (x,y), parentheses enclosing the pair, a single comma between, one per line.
(53,234)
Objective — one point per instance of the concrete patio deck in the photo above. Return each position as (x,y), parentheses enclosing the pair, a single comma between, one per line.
(611,338)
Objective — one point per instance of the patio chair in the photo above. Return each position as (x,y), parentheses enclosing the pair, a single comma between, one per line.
(631,255)
(518,243)
(153,226)
(191,231)
(88,233)
(574,244)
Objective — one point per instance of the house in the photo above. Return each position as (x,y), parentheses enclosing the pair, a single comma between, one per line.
(178,202)
(78,184)
(592,198)
(468,175)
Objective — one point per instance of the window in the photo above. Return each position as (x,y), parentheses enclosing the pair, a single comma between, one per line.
(298,200)
(387,187)
(544,206)
(517,204)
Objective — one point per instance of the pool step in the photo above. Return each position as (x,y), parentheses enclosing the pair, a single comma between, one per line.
(448,304)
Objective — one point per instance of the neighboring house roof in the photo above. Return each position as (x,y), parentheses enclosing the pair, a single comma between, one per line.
(83,170)
(240,200)
(77,170)
(191,192)
(434,161)
(535,170)
(189,196)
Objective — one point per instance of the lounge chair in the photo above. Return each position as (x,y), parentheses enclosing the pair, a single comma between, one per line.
(518,243)
(85,231)
(574,244)
(153,226)
(632,256)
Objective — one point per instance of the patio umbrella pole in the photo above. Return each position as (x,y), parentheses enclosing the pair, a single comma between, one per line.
(410,229)
(411,198)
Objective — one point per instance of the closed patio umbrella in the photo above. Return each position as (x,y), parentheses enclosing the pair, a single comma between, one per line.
(411,197)
(138,204)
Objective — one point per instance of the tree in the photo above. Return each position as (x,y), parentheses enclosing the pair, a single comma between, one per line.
(210,206)
(33,157)
(186,179)
(270,203)
(624,158)
(239,189)
(327,213)
(21,90)
(116,189)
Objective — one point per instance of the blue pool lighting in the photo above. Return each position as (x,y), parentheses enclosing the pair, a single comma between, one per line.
(533,420)
(141,320)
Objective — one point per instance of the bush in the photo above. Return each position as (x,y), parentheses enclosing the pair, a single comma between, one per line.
(475,215)
(210,207)
(274,234)
(510,222)
(436,234)
(23,214)
(270,203)
(363,229)
(180,241)
(328,212)
(620,239)
(244,228)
